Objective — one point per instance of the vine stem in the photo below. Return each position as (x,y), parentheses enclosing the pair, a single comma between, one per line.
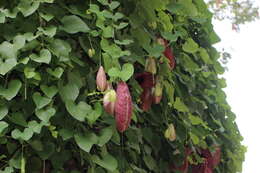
(122,150)
(43,166)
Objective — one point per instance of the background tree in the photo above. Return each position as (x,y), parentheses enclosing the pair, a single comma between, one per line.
(237,11)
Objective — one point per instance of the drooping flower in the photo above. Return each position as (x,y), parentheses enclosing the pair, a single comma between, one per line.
(109,101)
(123,107)
(101,79)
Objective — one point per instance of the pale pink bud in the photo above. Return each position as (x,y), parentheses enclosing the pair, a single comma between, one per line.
(101,79)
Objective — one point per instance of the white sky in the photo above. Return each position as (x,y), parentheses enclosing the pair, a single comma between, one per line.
(243,80)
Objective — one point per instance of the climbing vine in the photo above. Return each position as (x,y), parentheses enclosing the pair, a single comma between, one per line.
(122,86)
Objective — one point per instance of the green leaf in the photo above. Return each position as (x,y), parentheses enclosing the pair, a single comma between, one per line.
(47,1)
(170,36)
(36,127)
(155,50)
(18,118)
(49,91)
(108,32)
(45,114)
(113,5)
(57,72)
(85,142)
(25,135)
(125,74)
(127,71)
(105,135)
(66,134)
(165,20)
(3,125)
(79,111)
(195,139)
(114,72)
(2,17)
(7,170)
(73,24)
(195,120)
(29,72)
(180,106)
(60,48)
(3,111)
(7,65)
(205,56)
(95,114)
(44,57)
(69,92)
(40,101)
(19,42)
(48,150)
(150,162)
(190,46)
(108,162)
(46,16)
(36,145)
(123,42)
(28,7)
(7,50)
(12,90)
(49,31)
(113,50)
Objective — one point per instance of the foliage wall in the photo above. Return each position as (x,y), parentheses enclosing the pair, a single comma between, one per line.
(52,117)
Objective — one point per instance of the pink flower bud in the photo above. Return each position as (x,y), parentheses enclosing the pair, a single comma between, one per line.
(101,79)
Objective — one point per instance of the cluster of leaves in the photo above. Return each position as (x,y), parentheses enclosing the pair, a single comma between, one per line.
(51,118)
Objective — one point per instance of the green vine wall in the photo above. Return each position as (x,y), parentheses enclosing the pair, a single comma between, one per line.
(52,117)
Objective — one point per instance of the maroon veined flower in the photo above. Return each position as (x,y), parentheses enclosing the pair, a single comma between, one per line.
(147,82)
(168,53)
(123,107)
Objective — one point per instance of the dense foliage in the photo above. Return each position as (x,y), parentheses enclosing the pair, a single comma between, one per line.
(51,113)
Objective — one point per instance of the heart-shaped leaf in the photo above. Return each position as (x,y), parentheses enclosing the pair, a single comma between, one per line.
(73,24)
(125,74)
(105,136)
(40,101)
(94,114)
(7,50)
(3,111)
(13,88)
(56,73)
(66,133)
(7,65)
(49,91)
(45,114)
(79,111)
(3,125)
(69,92)
(85,142)
(49,31)
(36,127)
(108,162)
(28,7)
(127,71)
(48,150)
(44,57)
(25,135)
